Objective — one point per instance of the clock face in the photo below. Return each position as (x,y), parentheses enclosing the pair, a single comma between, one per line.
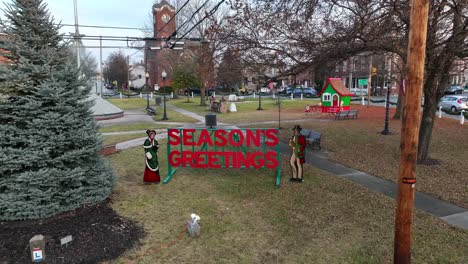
(165,18)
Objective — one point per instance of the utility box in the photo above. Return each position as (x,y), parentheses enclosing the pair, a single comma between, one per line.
(37,248)
(158,100)
(210,120)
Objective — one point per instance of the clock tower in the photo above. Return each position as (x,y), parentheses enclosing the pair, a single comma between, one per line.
(162,15)
(157,58)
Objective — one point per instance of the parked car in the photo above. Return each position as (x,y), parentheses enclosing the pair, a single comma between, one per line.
(246,90)
(287,91)
(454,103)
(194,90)
(283,89)
(307,92)
(265,90)
(454,89)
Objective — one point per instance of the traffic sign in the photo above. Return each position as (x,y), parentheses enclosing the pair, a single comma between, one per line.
(362,82)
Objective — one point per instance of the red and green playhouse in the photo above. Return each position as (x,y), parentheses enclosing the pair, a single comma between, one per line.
(334,97)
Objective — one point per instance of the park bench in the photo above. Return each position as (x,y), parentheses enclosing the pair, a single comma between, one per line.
(216,107)
(353,114)
(313,138)
(341,115)
(151,111)
(350,114)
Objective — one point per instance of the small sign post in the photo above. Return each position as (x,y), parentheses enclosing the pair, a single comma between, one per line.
(36,245)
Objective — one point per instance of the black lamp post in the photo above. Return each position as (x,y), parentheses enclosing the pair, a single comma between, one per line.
(260,100)
(164,75)
(387,112)
(279,112)
(146,86)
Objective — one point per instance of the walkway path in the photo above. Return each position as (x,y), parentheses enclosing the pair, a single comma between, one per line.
(450,213)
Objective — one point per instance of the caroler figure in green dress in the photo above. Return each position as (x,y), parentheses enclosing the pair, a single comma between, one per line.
(151,147)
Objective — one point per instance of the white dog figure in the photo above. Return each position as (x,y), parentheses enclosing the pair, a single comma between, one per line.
(193,226)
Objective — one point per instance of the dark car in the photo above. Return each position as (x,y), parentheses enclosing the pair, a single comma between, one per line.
(454,89)
(195,91)
(307,92)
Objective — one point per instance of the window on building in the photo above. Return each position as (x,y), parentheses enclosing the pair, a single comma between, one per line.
(345,65)
(337,68)
(139,76)
(327,97)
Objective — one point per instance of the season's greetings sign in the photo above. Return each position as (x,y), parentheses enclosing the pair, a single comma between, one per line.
(221,148)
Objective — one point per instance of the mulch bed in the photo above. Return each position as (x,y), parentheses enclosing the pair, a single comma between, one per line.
(98,233)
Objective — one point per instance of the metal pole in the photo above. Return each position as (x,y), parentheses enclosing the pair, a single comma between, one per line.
(100,55)
(410,132)
(165,114)
(260,100)
(387,112)
(369,82)
(147,93)
(279,113)
(77,35)
(128,73)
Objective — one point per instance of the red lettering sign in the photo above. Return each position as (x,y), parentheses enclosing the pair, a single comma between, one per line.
(208,156)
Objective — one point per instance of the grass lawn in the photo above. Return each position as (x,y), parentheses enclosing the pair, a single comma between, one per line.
(173,116)
(245,219)
(246,110)
(140,103)
(131,103)
(110,140)
(129,127)
(359,144)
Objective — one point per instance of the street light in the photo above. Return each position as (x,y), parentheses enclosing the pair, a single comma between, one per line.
(146,86)
(260,100)
(387,110)
(164,75)
(279,112)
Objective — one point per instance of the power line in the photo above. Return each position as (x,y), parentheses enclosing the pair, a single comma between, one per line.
(175,15)
(193,15)
(93,26)
(120,38)
(210,13)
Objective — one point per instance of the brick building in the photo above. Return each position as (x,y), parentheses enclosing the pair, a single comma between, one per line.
(384,69)
(3,60)
(158,56)
(459,72)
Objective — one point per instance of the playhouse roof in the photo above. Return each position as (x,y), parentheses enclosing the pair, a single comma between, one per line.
(337,85)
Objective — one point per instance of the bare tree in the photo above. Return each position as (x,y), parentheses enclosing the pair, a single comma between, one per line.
(116,68)
(310,32)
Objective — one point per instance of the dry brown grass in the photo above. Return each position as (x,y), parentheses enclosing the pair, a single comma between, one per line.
(245,219)
(359,144)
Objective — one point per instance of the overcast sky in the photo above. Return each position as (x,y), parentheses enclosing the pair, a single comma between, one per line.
(121,13)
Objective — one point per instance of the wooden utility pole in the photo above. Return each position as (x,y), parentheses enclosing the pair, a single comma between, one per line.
(410,131)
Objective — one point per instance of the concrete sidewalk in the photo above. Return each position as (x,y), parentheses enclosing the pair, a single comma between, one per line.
(448,212)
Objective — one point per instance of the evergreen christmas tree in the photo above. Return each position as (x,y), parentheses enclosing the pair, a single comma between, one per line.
(49,144)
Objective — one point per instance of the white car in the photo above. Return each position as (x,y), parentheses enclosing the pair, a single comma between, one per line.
(454,103)
(265,90)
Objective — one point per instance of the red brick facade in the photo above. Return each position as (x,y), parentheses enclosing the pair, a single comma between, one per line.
(158,59)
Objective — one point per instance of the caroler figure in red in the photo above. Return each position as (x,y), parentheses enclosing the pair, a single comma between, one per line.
(151,147)
(298,145)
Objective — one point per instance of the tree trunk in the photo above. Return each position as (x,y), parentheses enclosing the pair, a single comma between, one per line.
(400,102)
(427,120)
(202,95)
